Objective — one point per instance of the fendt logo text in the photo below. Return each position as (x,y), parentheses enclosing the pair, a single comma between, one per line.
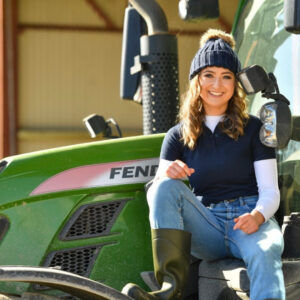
(133,171)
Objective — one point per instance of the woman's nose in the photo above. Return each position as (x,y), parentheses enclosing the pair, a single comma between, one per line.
(217,82)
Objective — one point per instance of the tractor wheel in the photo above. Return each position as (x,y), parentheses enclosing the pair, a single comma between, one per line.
(29,296)
(5,297)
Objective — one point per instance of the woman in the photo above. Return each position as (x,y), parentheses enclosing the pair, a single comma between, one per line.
(228,212)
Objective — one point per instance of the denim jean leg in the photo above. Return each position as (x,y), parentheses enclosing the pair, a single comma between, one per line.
(261,252)
(173,205)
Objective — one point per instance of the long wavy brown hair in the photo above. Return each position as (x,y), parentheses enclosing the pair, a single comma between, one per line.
(192,114)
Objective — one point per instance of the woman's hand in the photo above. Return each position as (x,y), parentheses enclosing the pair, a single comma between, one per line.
(249,222)
(178,169)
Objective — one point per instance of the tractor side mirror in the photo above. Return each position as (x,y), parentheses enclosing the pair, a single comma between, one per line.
(292,16)
(132,31)
(194,10)
(276,130)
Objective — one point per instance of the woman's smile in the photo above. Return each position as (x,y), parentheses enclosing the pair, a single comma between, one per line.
(215,93)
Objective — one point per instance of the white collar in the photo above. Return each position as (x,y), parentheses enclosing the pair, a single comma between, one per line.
(212,121)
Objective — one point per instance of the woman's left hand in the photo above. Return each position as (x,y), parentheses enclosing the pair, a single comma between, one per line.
(249,222)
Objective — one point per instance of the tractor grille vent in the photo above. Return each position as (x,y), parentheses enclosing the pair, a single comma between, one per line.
(78,261)
(92,220)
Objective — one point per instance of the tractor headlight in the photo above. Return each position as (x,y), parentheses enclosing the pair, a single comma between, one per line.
(276,116)
(277,127)
(267,132)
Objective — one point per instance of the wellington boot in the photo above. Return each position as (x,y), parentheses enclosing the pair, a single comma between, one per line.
(171,257)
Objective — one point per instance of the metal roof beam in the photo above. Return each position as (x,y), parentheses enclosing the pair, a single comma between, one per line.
(108,22)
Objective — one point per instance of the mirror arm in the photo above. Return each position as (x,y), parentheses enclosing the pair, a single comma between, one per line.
(276,97)
(273,82)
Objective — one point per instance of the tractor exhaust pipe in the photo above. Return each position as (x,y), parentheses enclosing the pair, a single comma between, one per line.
(158,64)
(153,15)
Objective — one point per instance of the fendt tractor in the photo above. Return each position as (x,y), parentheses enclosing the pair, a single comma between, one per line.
(74,220)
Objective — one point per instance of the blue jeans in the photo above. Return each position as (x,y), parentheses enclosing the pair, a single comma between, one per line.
(173,205)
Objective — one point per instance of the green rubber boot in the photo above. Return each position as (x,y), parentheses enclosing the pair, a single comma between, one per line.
(171,257)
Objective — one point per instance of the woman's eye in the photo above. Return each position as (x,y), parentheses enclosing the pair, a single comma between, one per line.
(227,77)
(208,75)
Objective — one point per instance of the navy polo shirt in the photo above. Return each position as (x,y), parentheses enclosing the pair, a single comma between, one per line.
(223,166)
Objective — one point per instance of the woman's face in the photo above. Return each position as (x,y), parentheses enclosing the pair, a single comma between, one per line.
(217,87)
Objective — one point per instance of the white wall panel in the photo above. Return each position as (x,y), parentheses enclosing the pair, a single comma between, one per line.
(64,76)
(70,12)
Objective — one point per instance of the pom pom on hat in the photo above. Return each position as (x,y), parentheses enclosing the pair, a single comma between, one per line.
(216,49)
(214,34)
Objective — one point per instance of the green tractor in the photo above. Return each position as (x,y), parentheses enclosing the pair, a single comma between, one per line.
(74,220)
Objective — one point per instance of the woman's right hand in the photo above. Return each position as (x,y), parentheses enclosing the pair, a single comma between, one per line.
(178,170)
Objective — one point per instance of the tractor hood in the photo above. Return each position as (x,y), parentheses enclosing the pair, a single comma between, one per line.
(101,164)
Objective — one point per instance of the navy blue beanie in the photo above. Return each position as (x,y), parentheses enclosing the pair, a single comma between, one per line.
(217,51)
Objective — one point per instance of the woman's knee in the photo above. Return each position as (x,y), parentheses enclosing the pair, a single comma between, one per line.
(166,186)
(165,203)
(165,194)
